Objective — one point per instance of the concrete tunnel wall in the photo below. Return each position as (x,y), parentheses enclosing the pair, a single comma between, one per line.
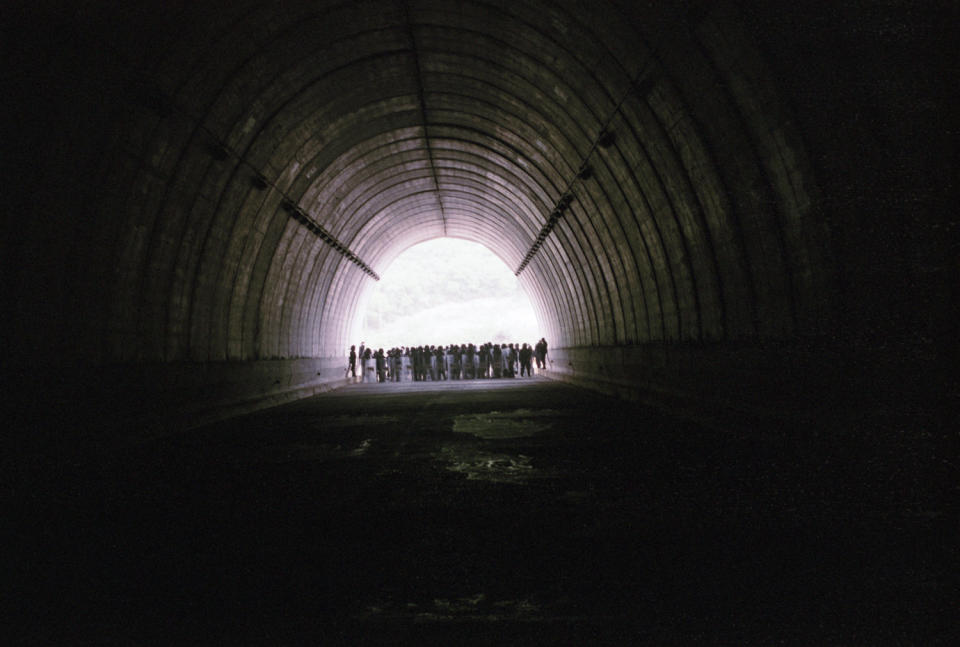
(720,204)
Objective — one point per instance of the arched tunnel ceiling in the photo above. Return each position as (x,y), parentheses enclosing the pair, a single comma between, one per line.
(634,164)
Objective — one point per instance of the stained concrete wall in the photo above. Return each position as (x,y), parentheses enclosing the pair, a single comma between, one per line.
(208,190)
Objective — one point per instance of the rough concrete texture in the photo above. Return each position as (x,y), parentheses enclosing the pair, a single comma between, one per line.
(500,512)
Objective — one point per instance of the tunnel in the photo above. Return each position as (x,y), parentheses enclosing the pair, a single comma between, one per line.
(728,211)
(708,206)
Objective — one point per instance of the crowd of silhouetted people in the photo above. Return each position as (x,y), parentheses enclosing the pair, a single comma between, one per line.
(453,362)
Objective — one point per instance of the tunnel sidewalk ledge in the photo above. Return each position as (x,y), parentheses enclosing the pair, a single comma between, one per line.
(726,386)
(713,414)
(201,416)
(163,399)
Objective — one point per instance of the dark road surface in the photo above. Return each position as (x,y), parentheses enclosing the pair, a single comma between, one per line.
(495,512)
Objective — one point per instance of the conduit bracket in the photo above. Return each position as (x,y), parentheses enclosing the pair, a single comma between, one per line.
(318,230)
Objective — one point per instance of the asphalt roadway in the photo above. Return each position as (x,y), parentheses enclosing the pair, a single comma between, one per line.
(495,512)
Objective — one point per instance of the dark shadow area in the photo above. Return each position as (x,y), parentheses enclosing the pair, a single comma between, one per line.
(520,513)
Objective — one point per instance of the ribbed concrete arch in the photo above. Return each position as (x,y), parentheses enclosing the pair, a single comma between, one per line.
(228,179)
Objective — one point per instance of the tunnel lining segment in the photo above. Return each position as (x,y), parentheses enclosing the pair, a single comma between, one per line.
(604,138)
(422,100)
(156,100)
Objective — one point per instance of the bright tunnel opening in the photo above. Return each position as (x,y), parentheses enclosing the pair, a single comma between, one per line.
(448,291)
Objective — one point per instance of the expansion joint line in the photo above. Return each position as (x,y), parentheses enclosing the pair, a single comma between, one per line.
(604,139)
(422,99)
(151,97)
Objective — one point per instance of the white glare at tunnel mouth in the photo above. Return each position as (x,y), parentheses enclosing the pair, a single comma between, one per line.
(448,291)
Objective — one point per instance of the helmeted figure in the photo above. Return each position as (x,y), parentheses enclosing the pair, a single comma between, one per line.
(469,367)
(366,363)
(449,357)
(440,363)
(407,365)
(396,369)
(526,353)
(456,355)
(381,365)
(541,353)
(423,358)
(483,363)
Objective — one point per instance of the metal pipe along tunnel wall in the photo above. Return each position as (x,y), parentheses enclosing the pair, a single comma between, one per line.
(681,188)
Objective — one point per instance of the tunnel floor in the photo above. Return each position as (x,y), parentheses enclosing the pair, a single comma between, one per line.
(499,512)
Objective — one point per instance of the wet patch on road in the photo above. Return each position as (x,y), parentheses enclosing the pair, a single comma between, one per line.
(513,424)
(481,465)
(362,449)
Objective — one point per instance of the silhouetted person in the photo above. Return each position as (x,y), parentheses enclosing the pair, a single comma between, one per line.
(364,361)
(353,361)
(419,368)
(484,361)
(407,365)
(441,363)
(432,363)
(381,365)
(468,363)
(455,357)
(541,353)
(525,355)
(448,358)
